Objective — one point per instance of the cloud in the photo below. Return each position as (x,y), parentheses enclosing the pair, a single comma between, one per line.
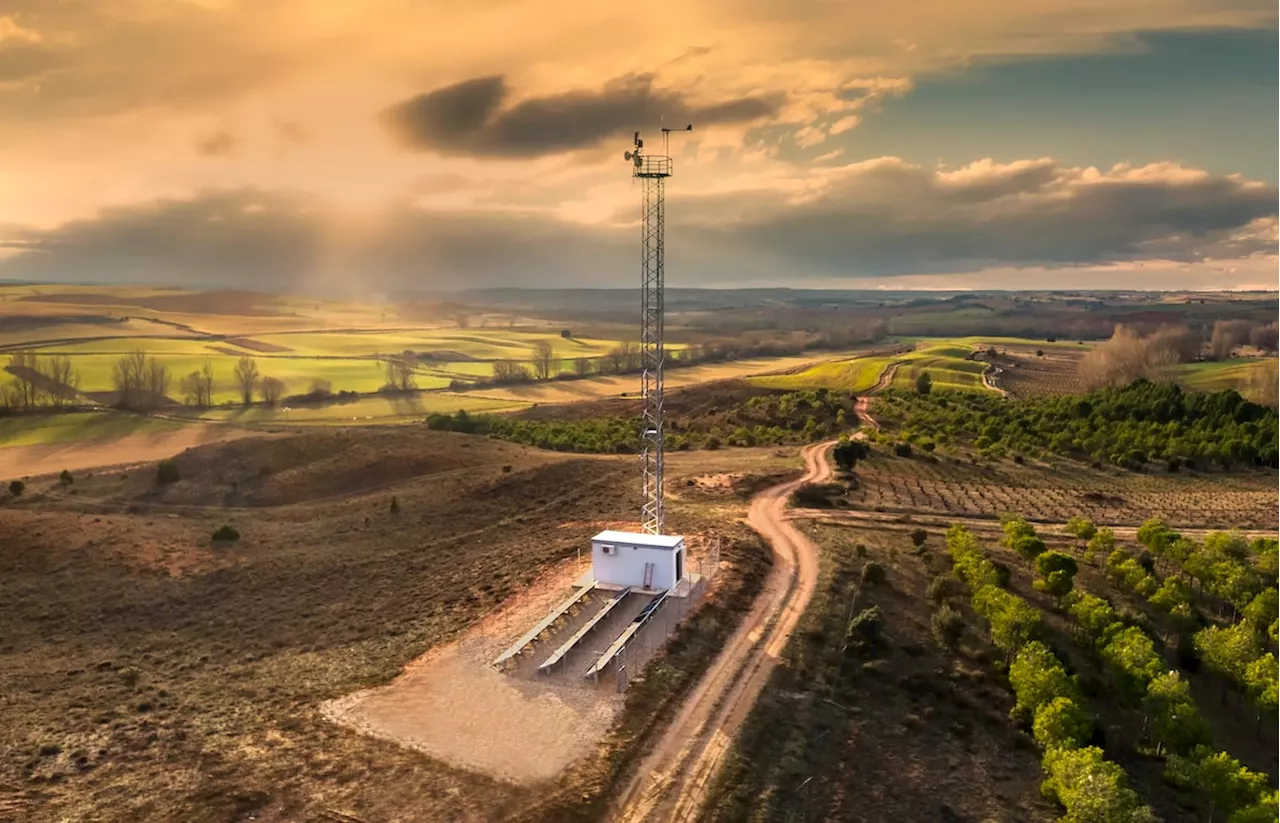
(289,240)
(10,30)
(872,219)
(887,217)
(473,117)
(219,144)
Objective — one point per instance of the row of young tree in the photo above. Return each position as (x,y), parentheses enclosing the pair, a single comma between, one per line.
(1049,697)
(1088,786)
(1226,572)
(1170,716)
(1129,426)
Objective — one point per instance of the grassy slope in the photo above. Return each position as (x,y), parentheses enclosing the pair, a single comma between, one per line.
(943,358)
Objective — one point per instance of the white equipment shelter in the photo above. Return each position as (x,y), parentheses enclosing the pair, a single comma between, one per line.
(649,562)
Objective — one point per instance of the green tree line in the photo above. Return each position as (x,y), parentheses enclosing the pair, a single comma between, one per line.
(1129,426)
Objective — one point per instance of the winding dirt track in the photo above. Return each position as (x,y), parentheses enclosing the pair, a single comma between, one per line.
(671,782)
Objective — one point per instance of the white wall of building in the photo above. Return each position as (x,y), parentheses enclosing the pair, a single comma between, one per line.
(626,565)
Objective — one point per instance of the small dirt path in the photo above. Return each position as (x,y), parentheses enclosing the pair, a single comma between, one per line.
(989,379)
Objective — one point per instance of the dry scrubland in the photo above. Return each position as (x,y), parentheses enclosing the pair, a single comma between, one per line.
(152,674)
(894,732)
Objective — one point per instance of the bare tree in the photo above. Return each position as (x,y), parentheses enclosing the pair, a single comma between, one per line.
(1128,356)
(631,355)
(543,360)
(62,381)
(157,382)
(462,319)
(246,379)
(510,371)
(271,389)
(129,378)
(1266,338)
(25,392)
(197,387)
(400,376)
(1227,334)
(1183,343)
(582,366)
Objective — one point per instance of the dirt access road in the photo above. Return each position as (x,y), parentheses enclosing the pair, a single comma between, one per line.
(672,781)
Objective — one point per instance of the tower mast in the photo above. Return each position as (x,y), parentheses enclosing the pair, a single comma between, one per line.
(653,170)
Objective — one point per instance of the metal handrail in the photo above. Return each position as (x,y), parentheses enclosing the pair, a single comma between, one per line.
(656,165)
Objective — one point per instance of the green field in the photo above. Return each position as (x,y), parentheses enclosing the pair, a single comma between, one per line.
(38,430)
(858,374)
(945,364)
(945,359)
(1215,376)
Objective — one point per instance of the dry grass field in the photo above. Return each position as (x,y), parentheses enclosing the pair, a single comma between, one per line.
(151,674)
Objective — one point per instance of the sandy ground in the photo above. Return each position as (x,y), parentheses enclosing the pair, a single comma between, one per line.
(32,461)
(453,705)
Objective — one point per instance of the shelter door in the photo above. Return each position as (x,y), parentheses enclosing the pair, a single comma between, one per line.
(648,575)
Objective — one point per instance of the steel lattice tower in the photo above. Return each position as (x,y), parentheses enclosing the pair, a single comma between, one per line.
(653,170)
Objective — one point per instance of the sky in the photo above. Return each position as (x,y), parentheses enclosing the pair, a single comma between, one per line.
(380,146)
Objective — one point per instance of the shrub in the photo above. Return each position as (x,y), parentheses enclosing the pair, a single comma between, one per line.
(948,627)
(902,449)
(227,534)
(942,588)
(712,443)
(918,537)
(65,478)
(17,487)
(395,505)
(872,574)
(130,676)
(924,384)
(867,626)
(167,472)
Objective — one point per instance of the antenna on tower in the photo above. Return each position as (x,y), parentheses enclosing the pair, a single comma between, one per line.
(653,170)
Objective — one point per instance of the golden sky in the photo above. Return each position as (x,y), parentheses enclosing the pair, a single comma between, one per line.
(479,142)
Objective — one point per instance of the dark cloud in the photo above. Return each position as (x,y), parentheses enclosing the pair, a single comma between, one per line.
(218,144)
(250,238)
(879,218)
(472,118)
(887,217)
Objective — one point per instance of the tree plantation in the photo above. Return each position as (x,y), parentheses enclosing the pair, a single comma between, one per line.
(1130,427)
